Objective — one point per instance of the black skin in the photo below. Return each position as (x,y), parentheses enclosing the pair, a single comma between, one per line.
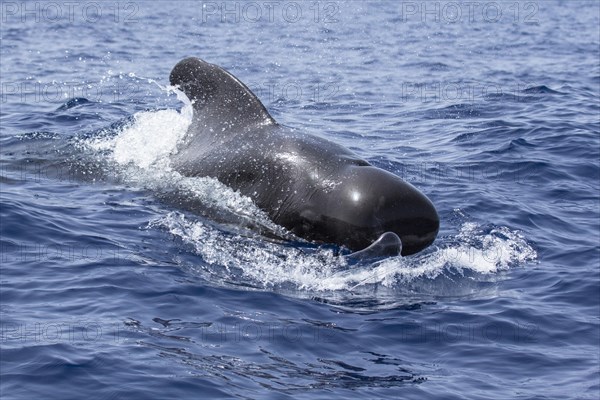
(317,189)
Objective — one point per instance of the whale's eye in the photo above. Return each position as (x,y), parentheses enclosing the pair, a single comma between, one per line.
(353,160)
(359,163)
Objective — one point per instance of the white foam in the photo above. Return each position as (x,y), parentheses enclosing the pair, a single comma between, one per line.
(267,264)
(150,139)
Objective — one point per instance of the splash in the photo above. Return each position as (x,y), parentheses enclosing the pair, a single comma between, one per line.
(271,265)
(149,140)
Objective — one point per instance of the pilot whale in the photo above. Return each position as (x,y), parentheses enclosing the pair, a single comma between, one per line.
(315,188)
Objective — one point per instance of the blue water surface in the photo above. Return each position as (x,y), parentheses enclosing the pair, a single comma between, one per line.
(111,288)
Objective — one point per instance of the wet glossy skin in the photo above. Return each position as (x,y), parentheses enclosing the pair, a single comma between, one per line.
(317,189)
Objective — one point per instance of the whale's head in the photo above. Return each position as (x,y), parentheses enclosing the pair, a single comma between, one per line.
(367,202)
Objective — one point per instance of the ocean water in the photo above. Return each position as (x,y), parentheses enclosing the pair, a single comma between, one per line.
(111,289)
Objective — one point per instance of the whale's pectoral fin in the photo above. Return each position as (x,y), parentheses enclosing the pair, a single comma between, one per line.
(388,245)
(221,102)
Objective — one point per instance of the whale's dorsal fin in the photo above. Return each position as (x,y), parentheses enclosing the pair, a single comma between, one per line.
(221,102)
